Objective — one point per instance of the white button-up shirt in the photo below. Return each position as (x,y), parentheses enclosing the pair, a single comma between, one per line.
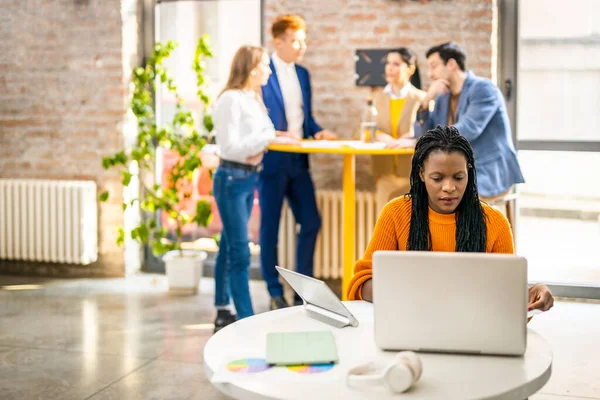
(292,95)
(242,126)
(390,91)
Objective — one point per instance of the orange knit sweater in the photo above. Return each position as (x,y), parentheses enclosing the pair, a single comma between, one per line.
(391,233)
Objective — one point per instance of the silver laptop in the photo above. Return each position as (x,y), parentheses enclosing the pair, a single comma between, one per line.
(319,300)
(474,303)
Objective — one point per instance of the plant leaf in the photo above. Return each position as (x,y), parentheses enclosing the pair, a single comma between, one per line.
(143,233)
(208,123)
(203,213)
(120,236)
(107,162)
(126,178)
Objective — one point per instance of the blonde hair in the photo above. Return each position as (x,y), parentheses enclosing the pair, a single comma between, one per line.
(285,22)
(245,60)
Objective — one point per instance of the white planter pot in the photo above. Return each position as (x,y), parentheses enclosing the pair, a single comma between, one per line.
(184,272)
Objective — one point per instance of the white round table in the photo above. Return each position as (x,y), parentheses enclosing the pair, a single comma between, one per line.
(444,376)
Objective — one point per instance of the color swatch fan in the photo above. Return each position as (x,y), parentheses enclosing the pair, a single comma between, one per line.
(248,365)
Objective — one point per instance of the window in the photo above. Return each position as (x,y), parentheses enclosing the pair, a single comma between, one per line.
(554,58)
(185,22)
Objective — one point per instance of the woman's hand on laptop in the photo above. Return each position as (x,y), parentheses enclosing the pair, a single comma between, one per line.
(366,292)
(540,298)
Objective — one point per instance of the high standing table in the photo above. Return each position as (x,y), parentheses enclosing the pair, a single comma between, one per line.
(349,149)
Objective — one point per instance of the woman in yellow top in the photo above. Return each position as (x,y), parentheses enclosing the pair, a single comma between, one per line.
(397,106)
(442,212)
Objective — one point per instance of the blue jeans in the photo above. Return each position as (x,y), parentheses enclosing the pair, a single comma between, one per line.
(233,189)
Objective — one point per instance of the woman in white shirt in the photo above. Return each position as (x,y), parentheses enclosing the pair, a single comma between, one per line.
(243,131)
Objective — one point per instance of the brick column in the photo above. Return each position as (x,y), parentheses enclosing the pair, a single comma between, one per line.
(64,73)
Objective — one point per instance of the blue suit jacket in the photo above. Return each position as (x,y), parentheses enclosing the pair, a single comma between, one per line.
(482,118)
(275,160)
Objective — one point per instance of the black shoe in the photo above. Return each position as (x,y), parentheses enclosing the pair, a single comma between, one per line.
(278,302)
(224,318)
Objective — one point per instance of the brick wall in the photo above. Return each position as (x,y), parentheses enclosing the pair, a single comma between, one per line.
(336,28)
(62,100)
(64,68)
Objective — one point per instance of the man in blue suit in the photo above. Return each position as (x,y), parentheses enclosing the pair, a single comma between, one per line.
(287,97)
(476,107)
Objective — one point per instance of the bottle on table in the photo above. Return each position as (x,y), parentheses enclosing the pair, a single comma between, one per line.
(368,124)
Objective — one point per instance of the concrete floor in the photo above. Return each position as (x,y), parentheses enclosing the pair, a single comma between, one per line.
(130,339)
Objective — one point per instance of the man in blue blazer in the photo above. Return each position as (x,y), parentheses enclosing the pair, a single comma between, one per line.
(476,107)
(287,97)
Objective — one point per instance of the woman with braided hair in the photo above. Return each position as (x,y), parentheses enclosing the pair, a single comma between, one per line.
(442,212)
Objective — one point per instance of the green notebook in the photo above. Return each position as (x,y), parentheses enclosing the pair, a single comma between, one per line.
(297,348)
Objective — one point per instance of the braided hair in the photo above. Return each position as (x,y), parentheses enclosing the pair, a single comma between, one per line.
(471,230)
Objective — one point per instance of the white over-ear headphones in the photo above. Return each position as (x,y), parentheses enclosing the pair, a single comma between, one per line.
(398,376)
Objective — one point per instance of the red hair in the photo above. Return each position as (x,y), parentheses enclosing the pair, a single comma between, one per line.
(285,22)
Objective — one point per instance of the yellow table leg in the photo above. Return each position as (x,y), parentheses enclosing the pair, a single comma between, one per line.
(349,224)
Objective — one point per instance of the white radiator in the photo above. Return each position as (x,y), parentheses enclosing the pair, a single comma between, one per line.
(48,221)
(328,254)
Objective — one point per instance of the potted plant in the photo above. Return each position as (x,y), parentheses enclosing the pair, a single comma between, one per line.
(180,137)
